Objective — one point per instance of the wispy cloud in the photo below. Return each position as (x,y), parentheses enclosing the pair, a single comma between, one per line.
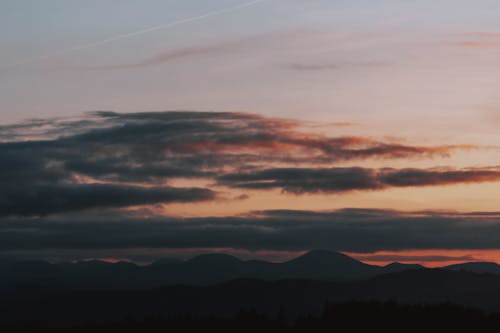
(339,180)
(477,40)
(482,34)
(335,65)
(183,53)
(477,44)
(313,67)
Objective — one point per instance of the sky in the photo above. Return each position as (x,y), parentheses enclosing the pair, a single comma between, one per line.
(141,129)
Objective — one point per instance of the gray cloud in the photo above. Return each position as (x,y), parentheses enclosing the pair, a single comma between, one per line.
(44,200)
(337,180)
(353,230)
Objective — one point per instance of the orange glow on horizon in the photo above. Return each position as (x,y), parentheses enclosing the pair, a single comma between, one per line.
(429,257)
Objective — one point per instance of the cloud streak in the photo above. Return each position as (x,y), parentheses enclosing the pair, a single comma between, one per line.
(45,200)
(181,53)
(339,180)
(350,230)
(477,40)
(477,44)
(384,258)
(320,67)
(144,31)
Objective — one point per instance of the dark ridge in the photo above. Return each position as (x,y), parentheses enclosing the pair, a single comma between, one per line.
(324,257)
(341,317)
(477,267)
(294,297)
(206,269)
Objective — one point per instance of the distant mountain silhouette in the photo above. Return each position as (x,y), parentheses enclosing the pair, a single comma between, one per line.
(477,267)
(399,267)
(201,270)
(326,265)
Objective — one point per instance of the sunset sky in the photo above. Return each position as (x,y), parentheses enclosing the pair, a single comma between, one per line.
(136,130)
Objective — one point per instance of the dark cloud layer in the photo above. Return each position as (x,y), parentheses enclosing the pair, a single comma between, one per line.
(352,230)
(106,159)
(335,180)
(51,199)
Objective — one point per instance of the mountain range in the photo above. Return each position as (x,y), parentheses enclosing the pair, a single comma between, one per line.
(204,269)
(65,294)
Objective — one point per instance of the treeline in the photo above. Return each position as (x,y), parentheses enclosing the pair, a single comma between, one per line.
(345,317)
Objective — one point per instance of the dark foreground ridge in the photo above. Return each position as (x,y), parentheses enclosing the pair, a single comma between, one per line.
(297,297)
(344,317)
(220,286)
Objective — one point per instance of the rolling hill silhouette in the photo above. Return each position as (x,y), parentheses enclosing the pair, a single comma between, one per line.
(201,270)
(222,285)
(477,267)
(206,269)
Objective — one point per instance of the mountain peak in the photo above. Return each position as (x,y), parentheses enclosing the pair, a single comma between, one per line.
(324,258)
(399,267)
(323,264)
(320,255)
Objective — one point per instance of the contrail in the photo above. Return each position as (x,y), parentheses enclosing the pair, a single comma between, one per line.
(142,32)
